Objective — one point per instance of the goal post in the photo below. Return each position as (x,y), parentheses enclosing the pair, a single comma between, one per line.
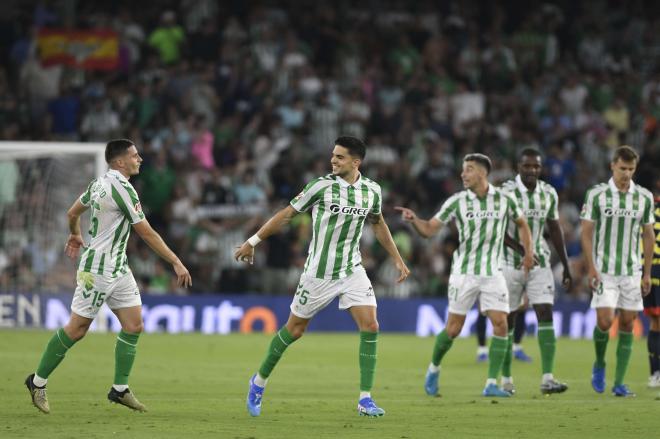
(38,183)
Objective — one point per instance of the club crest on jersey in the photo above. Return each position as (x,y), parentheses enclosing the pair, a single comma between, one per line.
(138,207)
(348,210)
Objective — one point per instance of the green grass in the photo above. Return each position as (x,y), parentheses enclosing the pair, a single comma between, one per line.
(195,385)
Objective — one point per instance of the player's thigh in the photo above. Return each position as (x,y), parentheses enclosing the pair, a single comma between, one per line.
(540,287)
(124,293)
(312,295)
(493,294)
(356,290)
(515,285)
(462,293)
(90,294)
(630,293)
(606,295)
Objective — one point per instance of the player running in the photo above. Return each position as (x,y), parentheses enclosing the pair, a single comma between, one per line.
(103,272)
(617,211)
(341,202)
(481,212)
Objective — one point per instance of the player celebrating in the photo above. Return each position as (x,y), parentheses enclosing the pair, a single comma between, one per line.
(103,272)
(481,213)
(617,210)
(340,203)
(538,201)
(652,301)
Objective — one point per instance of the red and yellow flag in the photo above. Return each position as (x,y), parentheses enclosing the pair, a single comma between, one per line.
(85,49)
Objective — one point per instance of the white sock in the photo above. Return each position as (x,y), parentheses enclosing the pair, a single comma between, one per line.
(490,381)
(433,368)
(365,395)
(517,347)
(120,387)
(507,380)
(260,381)
(482,350)
(38,381)
(547,377)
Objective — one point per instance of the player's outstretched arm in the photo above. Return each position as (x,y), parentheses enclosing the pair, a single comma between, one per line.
(384,237)
(153,240)
(526,238)
(557,238)
(425,228)
(75,240)
(245,252)
(648,241)
(586,239)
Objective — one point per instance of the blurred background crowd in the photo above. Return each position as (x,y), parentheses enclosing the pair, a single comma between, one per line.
(235,105)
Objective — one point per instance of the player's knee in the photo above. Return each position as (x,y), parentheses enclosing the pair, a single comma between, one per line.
(296,331)
(544,314)
(604,323)
(76,332)
(371,326)
(453,330)
(133,327)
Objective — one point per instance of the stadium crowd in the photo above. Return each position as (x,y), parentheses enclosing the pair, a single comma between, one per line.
(235,106)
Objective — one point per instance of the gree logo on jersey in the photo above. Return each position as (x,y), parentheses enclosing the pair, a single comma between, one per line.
(534,213)
(608,211)
(482,214)
(348,210)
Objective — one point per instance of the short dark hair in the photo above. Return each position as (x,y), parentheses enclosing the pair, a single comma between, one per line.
(115,148)
(482,159)
(355,146)
(625,153)
(529,152)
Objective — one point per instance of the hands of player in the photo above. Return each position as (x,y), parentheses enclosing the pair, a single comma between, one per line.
(245,253)
(594,279)
(646,284)
(72,247)
(407,215)
(183,278)
(567,279)
(403,269)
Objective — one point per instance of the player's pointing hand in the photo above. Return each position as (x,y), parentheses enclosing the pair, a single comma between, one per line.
(407,215)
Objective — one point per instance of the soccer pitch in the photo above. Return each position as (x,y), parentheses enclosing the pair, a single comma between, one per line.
(195,387)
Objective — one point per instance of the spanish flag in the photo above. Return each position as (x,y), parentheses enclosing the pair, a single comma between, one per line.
(85,49)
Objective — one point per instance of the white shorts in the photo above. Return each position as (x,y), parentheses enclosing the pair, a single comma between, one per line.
(539,286)
(465,289)
(624,292)
(93,290)
(312,294)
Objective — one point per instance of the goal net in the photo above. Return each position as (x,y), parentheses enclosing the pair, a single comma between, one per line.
(38,183)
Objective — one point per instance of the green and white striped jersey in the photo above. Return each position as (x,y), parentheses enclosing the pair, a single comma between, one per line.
(537,206)
(114,208)
(338,213)
(618,217)
(481,223)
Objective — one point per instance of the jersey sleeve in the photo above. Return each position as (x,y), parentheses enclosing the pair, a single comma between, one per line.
(86,197)
(513,209)
(649,215)
(589,209)
(448,210)
(309,196)
(127,200)
(553,212)
(378,201)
